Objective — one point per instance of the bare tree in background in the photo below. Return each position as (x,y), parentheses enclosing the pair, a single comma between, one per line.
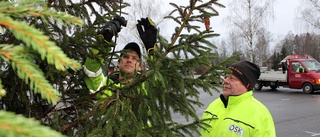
(224,53)
(288,43)
(309,13)
(263,43)
(247,17)
(235,43)
(307,44)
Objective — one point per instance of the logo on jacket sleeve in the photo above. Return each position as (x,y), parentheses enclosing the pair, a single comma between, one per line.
(236,129)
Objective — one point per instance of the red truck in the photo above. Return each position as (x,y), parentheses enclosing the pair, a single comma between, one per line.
(298,72)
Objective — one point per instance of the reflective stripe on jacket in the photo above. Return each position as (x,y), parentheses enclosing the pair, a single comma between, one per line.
(242,116)
(95,78)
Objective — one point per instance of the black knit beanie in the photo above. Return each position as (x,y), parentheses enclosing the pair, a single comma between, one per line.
(247,72)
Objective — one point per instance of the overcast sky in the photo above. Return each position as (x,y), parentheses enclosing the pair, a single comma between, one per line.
(284,16)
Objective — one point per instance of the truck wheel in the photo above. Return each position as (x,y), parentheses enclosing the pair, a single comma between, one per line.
(273,87)
(308,88)
(258,86)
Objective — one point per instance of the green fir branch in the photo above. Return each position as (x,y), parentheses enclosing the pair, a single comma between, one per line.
(2,91)
(39,42)
(29,72)
(37,8)
(12,125)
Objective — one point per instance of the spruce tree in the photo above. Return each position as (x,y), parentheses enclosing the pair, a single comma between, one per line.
(22,81)
(129,112)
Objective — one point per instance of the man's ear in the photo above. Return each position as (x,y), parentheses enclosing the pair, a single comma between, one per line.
(140,66)
(118,63)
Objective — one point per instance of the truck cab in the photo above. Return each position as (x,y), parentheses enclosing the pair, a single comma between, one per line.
(304,73)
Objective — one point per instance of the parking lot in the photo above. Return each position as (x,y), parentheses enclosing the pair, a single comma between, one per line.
(295,114)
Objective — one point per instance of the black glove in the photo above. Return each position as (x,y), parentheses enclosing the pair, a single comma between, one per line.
(148,33)
(113,27)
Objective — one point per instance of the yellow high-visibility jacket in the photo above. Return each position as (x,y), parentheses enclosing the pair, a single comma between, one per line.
(239,116)
(95,78)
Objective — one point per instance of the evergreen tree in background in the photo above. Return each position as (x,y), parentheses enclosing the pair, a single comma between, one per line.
(276,58)
(75,112)
(283,53)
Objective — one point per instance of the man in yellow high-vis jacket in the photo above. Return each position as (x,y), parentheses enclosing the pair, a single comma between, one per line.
(237,113)
(130,58)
